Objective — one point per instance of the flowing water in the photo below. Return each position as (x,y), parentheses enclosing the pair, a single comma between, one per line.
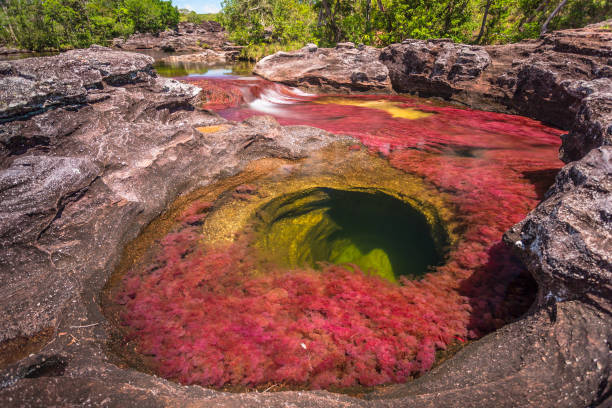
(355,266)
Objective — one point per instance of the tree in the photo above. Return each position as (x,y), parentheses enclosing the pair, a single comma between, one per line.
(484,21)
(62,24)
(552,15)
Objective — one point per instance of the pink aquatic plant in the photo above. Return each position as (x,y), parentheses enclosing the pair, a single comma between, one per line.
(206,317)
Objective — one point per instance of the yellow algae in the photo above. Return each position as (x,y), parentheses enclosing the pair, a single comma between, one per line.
(395,109)
(211,129)
(288,214)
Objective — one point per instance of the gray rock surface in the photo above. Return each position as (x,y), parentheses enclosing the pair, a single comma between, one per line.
(592,126)
(342,69)
(566,242)
(433,67)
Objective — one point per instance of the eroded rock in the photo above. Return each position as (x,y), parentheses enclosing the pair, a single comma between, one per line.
(566,241)
(187,37)
(593,124)
(81,178)
(341,69)
(433,67)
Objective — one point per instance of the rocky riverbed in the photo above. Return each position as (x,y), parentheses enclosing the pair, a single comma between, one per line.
(94,146)
(205,42)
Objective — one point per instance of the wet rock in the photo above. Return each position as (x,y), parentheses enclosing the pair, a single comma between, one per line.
(341,69)
(187,37)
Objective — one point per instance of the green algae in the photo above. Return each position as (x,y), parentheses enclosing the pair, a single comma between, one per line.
(378,233)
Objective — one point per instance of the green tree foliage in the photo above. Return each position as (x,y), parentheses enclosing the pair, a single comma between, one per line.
(62,24)
(268,21)
(514,20)
(191,16)
(381,22)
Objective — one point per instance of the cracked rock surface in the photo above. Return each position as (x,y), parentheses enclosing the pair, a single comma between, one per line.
(344,69)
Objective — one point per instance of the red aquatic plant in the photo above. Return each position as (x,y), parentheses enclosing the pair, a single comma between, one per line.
(208,319)
(206,316)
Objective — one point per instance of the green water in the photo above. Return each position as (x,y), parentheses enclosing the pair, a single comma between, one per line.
(183,69)
(381,234)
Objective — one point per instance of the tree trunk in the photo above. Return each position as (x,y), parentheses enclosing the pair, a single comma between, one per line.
(529,19)
(10,26)
(449,16)
(484,21)
(552,15)
(380,6)
(367,15)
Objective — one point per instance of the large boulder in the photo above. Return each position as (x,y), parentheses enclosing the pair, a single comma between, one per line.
(592,126)
(435,67)
(344,68)
(567,240)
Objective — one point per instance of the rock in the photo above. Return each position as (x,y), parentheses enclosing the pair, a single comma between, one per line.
(341,69)
(536,78)
(112,146)
(187,37)
(433,67)
(97,146)
(532,78)
(593,124)
(566,242)
(31,86)
(10,50)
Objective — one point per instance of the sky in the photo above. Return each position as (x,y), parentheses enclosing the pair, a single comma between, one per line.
(199,6)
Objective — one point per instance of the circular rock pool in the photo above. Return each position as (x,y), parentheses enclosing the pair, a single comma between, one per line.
(354,267)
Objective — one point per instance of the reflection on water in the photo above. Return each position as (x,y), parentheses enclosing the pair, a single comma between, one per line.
(196,69)
(22,55)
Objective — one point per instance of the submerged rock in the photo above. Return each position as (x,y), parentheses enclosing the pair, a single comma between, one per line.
(341,69)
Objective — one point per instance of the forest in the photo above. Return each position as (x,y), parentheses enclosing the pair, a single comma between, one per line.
(281,24)
(42,25)
(382,22)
